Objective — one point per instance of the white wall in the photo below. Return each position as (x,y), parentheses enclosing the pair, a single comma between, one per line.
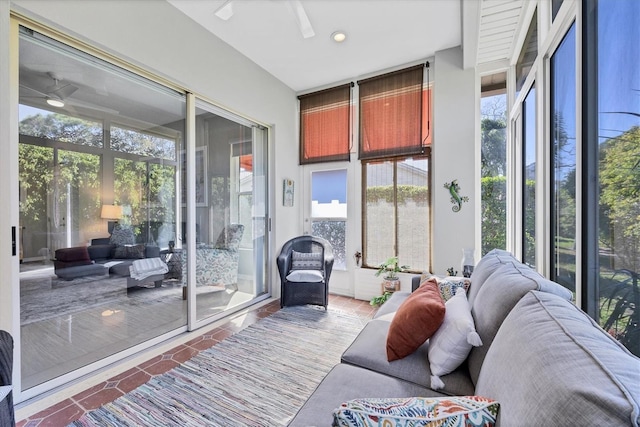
(454,136)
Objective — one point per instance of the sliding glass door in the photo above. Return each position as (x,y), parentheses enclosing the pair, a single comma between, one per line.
(230,215)
(98,171)
(107,226)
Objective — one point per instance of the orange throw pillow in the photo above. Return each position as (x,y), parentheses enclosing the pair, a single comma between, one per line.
(417,318)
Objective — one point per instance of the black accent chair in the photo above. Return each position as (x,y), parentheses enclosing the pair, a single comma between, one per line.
(7,416)
(313,271)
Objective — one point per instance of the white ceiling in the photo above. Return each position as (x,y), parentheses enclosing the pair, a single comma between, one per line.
(381,34)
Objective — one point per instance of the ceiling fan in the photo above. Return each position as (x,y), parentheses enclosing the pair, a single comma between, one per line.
(57,93)
(225,11)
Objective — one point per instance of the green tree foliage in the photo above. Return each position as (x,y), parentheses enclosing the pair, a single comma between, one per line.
(493,173)
(36,172)
(620,197)
(384,193)
(494,213)
(144,144)
(48,190)
(62,128)
(494,147)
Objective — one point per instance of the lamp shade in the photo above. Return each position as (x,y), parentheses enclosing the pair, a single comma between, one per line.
(111,212)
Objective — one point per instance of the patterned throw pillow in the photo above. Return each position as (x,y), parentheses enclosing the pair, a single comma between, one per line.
(448,285)
(451,411)
(122,235)
(306,261)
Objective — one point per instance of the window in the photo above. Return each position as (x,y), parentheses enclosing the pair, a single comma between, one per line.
(529,179)
(113,141)
(494,162)
(396,216)
(555,8)
(563,161)
(329,211)
(325,118)
(616,140)
(395,138)
(528,53)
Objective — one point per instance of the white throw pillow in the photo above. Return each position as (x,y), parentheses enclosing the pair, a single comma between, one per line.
(305,276)
(452,342)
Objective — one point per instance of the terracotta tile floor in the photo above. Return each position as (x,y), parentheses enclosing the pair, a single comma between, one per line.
(62,413)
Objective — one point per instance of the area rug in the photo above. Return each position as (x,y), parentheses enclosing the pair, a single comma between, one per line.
(49,298)
(259,376)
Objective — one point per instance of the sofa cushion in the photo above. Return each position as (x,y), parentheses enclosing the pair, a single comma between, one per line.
(305,276)
(392,304)
(368,351)
(346,382)
(579,376)
(452,342)
(486,266)
(100,252)
(129,252)
(76,254)
(498,295)
(419,316)
(418,411)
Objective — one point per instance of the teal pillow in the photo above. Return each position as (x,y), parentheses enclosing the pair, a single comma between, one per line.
(453,411)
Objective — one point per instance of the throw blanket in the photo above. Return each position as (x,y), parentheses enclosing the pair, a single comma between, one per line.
(143,268)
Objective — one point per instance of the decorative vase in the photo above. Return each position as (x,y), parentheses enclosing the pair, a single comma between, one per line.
(467,262)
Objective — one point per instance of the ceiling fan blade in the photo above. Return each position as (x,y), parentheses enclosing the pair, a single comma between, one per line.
(225,11)
(30,89)
(64,91)
(303,20)
(90,106)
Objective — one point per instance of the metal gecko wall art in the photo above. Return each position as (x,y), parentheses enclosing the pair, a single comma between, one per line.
(456,198)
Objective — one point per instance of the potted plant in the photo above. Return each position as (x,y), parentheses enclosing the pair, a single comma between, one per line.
(391,282)
(390,268)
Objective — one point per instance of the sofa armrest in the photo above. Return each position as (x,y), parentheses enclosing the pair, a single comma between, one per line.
(415,282)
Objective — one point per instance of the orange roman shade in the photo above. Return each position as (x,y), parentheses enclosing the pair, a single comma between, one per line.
(391,114)
(325,125)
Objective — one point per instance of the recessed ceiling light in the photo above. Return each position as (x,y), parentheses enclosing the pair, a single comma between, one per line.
(55,102)
(338,36)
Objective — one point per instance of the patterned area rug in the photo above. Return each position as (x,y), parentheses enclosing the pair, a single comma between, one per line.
(260,376)
(50,297)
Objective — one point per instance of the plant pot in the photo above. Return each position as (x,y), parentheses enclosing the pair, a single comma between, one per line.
(390,284)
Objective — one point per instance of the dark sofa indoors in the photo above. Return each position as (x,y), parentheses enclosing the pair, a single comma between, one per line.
(100,258)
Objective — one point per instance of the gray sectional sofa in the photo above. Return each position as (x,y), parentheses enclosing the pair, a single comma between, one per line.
(543,359)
